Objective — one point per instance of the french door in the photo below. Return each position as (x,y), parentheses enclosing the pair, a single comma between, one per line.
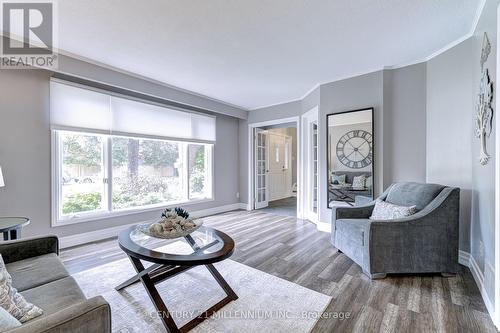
(261,169)
(310,166)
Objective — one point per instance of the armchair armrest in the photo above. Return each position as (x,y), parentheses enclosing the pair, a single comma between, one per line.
(28,247)
(359,212)
(92,315)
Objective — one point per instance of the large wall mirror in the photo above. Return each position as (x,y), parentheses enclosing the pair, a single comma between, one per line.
(350,158)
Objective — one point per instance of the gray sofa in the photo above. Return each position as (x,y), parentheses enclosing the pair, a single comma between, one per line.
(346,194)
(39,275)
(426,242)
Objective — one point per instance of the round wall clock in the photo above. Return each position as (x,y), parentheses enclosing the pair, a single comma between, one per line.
(354,149)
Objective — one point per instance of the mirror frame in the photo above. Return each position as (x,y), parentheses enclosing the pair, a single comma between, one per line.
(372,109)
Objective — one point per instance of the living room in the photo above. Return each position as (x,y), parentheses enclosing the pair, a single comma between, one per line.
(137,156)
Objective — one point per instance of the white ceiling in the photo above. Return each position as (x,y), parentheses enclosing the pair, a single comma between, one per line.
(254,53)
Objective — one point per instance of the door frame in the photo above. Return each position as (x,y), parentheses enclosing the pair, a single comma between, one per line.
(308,118)
(251,159)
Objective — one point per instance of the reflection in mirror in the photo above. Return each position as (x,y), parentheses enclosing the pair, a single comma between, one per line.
(350,158)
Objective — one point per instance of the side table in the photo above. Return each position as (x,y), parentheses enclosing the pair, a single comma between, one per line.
(11,227)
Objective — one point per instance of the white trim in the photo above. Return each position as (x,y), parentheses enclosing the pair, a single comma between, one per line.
(97,235)
(479,278)
(275,104)
(104,215)
(316,86)
(325,227)
(244,206)
(251,162)
(466,259)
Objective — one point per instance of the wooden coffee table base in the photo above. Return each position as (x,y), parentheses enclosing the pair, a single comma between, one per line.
(158,273)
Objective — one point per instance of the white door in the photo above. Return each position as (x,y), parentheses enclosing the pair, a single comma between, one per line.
(280,171)
(261,169)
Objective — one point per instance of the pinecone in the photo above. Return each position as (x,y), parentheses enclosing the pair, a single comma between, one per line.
(181,212)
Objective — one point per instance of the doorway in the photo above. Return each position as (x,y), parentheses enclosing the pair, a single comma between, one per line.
(274,174)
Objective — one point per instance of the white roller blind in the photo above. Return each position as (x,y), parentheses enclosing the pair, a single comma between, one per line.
(141,118)
(80,108)
(77,107)
(202,126)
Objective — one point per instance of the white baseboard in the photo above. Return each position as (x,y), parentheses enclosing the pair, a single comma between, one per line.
(245,206)
(93,236)
(326,227)
(466,259)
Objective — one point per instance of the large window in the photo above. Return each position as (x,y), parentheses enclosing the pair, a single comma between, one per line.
(102,174)
(113,155)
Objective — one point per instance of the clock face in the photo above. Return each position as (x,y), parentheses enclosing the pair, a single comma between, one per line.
(354,149)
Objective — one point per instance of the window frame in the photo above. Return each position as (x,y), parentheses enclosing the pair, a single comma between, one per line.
(58,219)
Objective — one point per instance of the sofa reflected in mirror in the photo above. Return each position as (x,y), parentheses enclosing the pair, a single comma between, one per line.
(350,158)
(346,193)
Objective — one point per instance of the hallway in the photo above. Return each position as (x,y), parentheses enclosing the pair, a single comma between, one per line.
(284,207)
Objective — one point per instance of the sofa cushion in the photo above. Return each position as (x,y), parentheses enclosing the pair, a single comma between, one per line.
(413,194)
(33,272)
(353,229)
(55,295)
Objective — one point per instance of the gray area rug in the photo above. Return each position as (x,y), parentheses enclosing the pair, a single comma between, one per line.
(266,303)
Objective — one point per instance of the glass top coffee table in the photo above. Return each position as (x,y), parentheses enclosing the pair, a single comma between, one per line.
(171,257)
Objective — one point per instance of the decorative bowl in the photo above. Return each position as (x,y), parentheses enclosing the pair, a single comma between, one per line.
(172,233)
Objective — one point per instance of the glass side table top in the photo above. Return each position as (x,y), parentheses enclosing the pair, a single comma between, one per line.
(9,223)
(203,246)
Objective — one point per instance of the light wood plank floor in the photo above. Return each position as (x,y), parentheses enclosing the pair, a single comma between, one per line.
(294,250)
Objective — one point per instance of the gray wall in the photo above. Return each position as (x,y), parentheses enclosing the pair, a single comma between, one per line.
(243,160)
(398,98)
(453,84)
(82,69)
(25,157)
(483,177)
(350,94)
(311,100)
(286,110)
(404,124)
(450,110)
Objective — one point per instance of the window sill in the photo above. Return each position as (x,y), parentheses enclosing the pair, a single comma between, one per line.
(90,217)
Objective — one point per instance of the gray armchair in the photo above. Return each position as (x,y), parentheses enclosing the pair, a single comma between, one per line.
(426,242)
